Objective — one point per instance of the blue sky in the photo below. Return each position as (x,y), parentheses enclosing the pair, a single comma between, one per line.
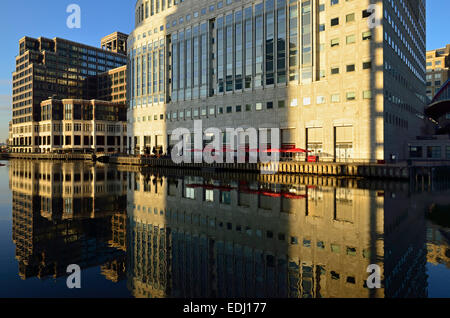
(100,17)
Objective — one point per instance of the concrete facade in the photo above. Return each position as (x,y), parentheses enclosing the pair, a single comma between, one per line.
(346,91)
(438,68)
(81,126)
(47,68)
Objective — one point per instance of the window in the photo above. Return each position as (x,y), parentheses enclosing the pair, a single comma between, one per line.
(258,106)
(434,152)
(269,105)
(367,95)
(294,102)
(351,251)
(350,17)
(209,195)
(281,104)
(225,197)
(320,100)
(367,35)
(335,70)
(334,21)
(335,98)
(351,96)
(415,152)
(335,248)
(335,42)
(351,39)
(351,68)
(367,65)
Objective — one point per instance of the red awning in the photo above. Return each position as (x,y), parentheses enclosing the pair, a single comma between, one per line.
(297,150)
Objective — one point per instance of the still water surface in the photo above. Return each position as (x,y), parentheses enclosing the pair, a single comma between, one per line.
(192,234)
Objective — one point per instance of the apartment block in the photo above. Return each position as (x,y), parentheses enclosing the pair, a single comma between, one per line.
(57,68)
(337,78)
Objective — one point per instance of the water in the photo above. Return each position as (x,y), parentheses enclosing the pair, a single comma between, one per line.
(192,234)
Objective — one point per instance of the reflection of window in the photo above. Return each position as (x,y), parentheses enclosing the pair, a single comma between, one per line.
(209,195)
(225,197)
(335,248)
(244,199)
(351,251)
(265,202)
(434,152)
(344,205)
(415,152)
(190,193)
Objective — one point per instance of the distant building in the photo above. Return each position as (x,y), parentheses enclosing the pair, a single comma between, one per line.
(57,68)
(437,69)
(115,42)
(111,85)
(10,136)
(81,126)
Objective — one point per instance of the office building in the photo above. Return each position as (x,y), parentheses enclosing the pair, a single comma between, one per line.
(317,70)
(58,68)
(111,85)
(81,126)
(437,70)
(115,42)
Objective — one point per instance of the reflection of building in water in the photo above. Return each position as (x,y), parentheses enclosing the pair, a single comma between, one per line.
(438,245)
(66,213)
(116,270)
(404,246)
(204,238)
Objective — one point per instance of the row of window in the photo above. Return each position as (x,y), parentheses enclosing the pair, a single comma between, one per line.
(212,111)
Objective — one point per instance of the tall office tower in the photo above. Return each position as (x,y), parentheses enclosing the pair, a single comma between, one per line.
(438,69)
(53,68)
(343,79)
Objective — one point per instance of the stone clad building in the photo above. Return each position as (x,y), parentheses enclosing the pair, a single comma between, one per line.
(326,73)
(63,69)
(81,126)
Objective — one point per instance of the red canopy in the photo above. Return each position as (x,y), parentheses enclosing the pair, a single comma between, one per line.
(297,150)
(273,150)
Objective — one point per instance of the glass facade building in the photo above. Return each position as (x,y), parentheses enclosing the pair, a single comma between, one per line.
(321,59)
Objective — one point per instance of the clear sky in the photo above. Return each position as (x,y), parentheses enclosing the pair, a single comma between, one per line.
(100,17)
